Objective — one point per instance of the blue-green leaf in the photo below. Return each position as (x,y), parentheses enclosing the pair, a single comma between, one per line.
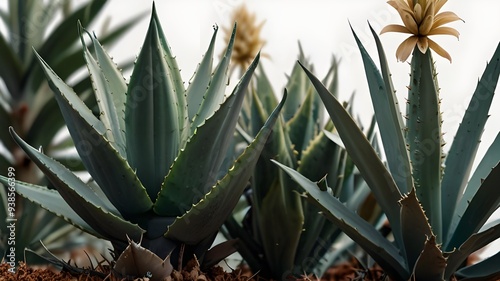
(52,201)
(115,80)
(415,228)
(106,166)
(206,216)
(201,80)
(214,95)
(424,136)
(387,113)
(153,131)
(196,169)
(104,85)
(79,196)
(483,203)
(364,157)
(486,269)
(11,75)
(174,73)
(463,150)
(363,233)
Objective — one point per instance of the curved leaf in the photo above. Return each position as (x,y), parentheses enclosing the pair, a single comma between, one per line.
(174,73)
(136,261)
(484,270)
(466,141)
(364,156)
(473,243)
(424,137)
(480,208)
(103,83)
(388,115)
(196,169)
(153,131)
(11,75)
(431,264)
(201,80)
(205,217)
(363,233)
(113,174)
(214,95)
(85,203)
(117,88)
(53,202)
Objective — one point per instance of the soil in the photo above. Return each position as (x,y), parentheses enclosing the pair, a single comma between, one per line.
(346,271)
(24,272)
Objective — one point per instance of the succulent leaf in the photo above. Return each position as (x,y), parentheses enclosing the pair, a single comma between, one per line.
(138,261)
(102,160)
(424,136)
(194,175)
(415,226)
(387,113)
(364,156)
(463,150)
(153,133)
(205,217)
(175,74)
(482,205)
(115,80)
(201,80)
(214,95)
(75,104)
(45,197)
(431,263)
(382,251)
(80,197)
(279,249)
(103,85)
(484,270)
(475,242)
(301,127)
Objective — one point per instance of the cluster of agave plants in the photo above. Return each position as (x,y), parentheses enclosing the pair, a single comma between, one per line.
(172,166)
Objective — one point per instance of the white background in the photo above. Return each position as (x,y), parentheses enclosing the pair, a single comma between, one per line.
(323,29)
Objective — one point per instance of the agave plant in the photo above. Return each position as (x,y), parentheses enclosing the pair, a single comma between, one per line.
(27,104)
(295,239)
(154,153)
(437,212)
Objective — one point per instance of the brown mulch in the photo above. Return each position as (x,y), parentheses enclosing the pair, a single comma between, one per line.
(343,272)
(24,272)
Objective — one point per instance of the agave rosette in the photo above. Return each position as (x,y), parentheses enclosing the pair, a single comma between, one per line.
(436,206)
(296,239)
(154,152)
(29,106)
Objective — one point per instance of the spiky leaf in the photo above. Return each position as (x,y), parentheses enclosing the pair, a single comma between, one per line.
(205,217)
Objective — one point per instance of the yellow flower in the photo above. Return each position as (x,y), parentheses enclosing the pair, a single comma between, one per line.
(248,40)
(421,19)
